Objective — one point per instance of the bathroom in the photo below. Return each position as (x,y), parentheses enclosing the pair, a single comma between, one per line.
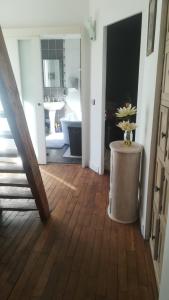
(62,103)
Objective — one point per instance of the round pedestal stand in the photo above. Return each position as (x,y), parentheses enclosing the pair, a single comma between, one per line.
(124,182)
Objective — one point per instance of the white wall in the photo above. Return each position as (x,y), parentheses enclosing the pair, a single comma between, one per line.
(72,60)
(35,13)
(12,47)
(72,70)
(107,12)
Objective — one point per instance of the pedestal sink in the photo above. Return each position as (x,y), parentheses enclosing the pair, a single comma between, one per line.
(52,107)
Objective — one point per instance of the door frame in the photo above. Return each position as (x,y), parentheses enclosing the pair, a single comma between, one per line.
(141,60)
(28,33)
(38,131)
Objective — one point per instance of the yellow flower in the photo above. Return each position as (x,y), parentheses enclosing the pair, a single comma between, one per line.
(127,126)
(126,111)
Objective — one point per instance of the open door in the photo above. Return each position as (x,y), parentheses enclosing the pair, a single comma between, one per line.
(32,93)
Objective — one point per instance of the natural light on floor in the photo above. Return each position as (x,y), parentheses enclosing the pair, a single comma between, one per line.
(72,187)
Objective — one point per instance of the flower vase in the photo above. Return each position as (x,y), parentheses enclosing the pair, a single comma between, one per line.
(128,137)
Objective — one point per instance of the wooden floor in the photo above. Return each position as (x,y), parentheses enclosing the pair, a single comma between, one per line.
(80,253)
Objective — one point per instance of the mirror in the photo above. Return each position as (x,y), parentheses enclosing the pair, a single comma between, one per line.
(51,73)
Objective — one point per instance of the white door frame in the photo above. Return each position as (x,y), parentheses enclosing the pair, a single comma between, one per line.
(66,32)
(104,80)
(32,94)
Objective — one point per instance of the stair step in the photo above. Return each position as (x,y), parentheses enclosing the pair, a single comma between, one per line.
(15,160)
(7,167)
(18,209)
(6,134)
(17,205)
(4,123)
(8,148)
(7,192)
(17,180)
(8,153)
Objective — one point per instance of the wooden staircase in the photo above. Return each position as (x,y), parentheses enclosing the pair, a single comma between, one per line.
(20,177)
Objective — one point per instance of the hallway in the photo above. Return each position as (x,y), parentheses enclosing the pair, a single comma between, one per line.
(80,253)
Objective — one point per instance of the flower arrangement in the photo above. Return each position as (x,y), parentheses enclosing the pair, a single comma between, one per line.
(127,112)
(127,126)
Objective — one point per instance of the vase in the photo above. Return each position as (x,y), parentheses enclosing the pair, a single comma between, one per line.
(128,137)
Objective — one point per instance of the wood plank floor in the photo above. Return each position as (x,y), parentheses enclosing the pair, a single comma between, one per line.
(80,254)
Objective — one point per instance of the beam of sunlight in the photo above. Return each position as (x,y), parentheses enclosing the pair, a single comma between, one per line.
(1,107)
(18,161)
(31,118)
(72,187)
(4,125)
(4,145)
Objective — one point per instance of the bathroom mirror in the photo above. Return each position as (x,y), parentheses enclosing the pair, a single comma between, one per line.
(51,72)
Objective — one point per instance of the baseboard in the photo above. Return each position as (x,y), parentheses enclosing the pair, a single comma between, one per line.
(93,167)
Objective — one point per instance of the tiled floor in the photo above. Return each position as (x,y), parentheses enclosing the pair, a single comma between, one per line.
(56,156)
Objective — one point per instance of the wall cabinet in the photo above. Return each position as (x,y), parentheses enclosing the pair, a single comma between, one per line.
(158,185)
(165,82)
(159,217)
(161,192)
(155,233)
(165,198)
(162,132)
(161,179)
(167,31)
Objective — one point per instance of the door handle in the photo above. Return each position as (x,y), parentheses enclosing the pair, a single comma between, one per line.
(157,236)
(39,104)
(163,135)
(156,189)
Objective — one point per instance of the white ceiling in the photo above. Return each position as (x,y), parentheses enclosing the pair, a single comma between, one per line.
(32,13)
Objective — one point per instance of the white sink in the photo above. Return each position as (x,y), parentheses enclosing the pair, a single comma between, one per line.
(53,106)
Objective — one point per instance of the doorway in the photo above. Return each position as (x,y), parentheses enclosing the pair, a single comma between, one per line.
(62,101)
(122,71)
(50,71)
